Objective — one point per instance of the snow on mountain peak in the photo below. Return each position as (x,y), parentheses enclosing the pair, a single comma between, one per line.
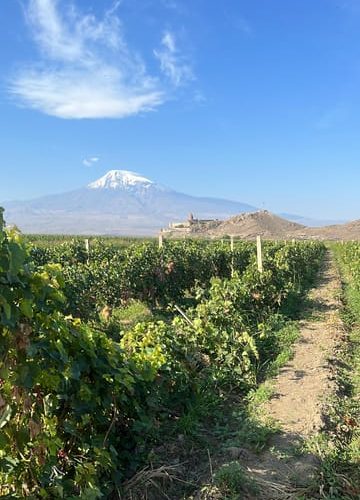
(121,179)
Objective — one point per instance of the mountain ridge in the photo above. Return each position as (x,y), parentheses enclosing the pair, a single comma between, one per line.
(124,202)
(120,202)
(245,226)
(248,226)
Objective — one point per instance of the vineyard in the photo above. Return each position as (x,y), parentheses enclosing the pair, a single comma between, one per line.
(344,457)
(110,350)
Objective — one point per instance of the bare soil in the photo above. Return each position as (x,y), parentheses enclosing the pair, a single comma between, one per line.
(300,391)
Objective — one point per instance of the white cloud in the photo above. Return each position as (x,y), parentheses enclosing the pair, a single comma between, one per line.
(174,66)
(86,69)
(83,93)
(168,42)
(88,162)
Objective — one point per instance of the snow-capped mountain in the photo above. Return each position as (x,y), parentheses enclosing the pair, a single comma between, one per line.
(121,179)
(127,181)
(120,202)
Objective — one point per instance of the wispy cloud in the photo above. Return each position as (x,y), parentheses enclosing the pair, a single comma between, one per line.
(85,69)
(172,63)
(89,162)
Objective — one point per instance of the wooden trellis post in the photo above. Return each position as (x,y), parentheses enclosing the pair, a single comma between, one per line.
(259,254)
(161,242)
(87,249)
(232,254)
(232,242)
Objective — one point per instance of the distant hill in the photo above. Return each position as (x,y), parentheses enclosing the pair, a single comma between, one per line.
(120,202)
(247,226)
(269,226)
(261,223)
(348,231)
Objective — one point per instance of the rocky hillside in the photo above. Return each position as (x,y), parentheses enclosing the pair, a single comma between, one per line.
(269,226)
(349,231)
(245,226)
(261,223)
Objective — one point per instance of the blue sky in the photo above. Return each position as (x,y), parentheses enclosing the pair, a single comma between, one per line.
(251,100)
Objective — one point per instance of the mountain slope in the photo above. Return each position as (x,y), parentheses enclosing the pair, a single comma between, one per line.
(120,202)
(261,223)
(250,225)
(348,231)
(269,226)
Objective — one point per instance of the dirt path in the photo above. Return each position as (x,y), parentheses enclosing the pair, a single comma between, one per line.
(299,392)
